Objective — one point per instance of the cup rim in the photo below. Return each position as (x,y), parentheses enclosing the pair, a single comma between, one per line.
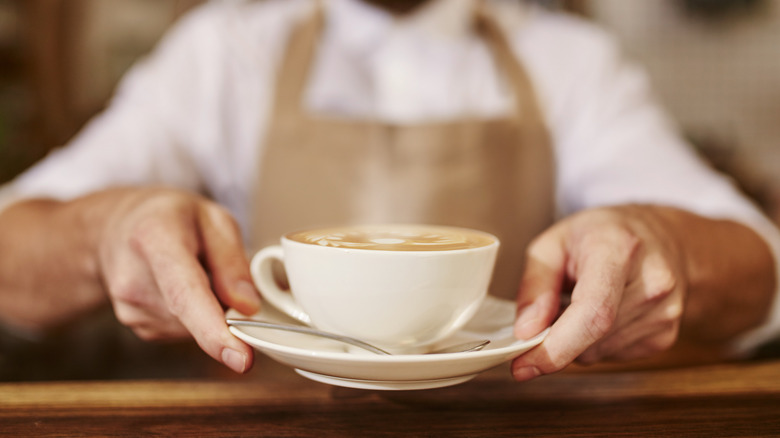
(495,241)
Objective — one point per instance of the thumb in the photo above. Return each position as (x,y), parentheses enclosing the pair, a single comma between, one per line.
(225,258)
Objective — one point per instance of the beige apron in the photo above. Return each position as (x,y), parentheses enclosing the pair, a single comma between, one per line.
(493,175)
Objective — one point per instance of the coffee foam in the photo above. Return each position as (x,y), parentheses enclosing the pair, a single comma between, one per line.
(395,238)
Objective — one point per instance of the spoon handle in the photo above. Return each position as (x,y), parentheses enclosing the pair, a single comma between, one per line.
(307,331)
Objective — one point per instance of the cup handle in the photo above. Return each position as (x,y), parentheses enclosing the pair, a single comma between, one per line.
(262,274)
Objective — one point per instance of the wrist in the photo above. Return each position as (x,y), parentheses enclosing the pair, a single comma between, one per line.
(730,276)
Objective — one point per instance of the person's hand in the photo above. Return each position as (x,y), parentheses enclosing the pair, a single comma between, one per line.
(627,280)
(170,261)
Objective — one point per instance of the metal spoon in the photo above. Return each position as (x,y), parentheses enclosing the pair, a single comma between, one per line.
(459,348)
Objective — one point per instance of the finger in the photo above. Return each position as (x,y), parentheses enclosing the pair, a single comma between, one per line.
(150,326)
(539,295)
(226,260)
(136,299)
(661,324)
(645,347)
(185,288)
(651,303)
(651,286)
(602,268)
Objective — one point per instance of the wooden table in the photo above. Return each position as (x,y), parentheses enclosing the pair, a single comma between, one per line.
(741,399)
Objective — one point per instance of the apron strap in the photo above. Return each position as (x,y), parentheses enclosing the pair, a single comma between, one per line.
(293,72)
(522,88)
(297,63)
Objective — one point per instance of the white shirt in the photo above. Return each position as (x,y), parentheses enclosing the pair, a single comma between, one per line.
(194,113)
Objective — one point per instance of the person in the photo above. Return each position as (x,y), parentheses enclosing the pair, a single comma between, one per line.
(253,118)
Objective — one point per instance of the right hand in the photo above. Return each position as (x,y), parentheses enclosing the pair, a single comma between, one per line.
(171,261)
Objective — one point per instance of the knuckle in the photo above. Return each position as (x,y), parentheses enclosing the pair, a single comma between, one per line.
(615,239)
(220,215)
(131,293)
(155,333)
(221,228)
(601,319)
(162,219)
(147,334)
(661,280)
(136,322)
(170,199)
(663,341)
(661,285)
(125,317)
(145,232)
(626,241)
(176,300)
(162,330)
(673,313)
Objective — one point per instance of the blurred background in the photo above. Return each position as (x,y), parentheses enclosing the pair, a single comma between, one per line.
(60,61)
(715,65)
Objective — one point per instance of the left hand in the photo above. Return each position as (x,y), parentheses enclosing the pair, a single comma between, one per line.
(626,274)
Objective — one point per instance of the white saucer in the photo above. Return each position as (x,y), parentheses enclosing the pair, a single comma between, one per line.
(332,362)
(389,385)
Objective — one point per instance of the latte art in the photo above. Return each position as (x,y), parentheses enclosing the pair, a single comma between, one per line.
(395,238)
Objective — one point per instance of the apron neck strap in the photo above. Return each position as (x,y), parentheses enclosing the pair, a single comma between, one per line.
(293,73)
(507,62)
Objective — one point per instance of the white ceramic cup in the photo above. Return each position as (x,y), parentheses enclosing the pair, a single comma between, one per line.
(400,287)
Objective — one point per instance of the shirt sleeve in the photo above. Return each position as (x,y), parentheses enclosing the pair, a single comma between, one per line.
(140,139)
(614,144)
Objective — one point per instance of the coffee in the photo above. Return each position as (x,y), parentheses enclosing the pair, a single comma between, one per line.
(395,238)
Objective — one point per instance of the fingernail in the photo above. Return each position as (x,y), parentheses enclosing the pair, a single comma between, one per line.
(526,373)
(248,293)
(235,360)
